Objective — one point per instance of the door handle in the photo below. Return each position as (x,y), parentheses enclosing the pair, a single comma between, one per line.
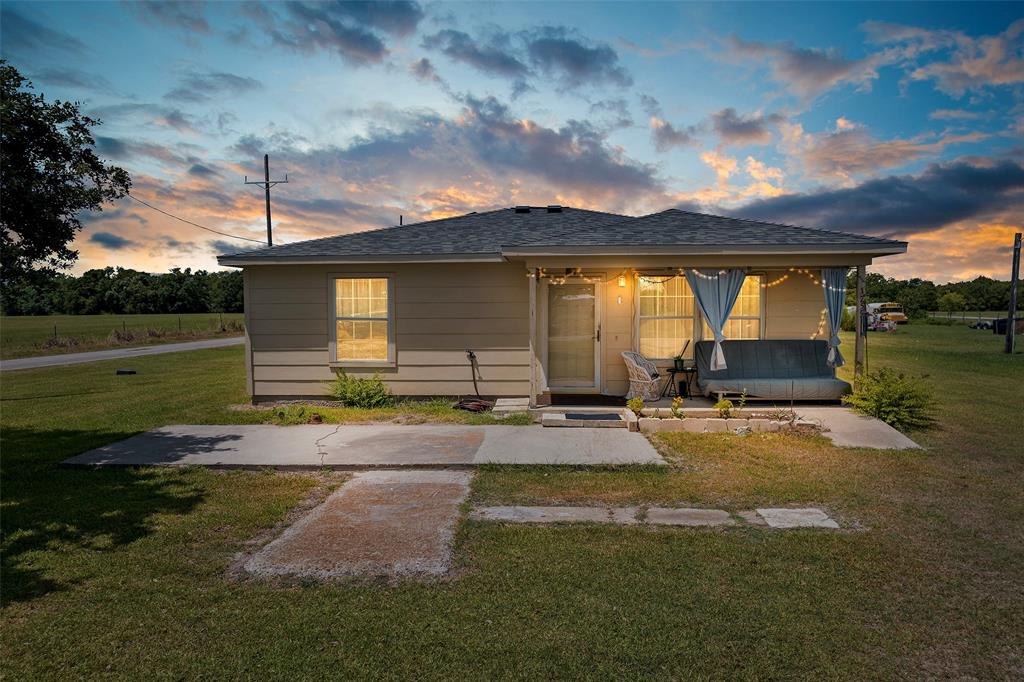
(598,335)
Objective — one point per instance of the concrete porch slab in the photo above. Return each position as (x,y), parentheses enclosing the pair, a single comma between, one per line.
(379,523)
(317,446)
(849,429)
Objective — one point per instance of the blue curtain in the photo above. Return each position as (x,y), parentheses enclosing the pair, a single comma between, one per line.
(716,294)
(833,281)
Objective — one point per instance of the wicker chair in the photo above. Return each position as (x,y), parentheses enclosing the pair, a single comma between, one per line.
(644,380)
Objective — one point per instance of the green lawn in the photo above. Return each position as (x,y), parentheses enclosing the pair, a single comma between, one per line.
(25,336)
(122,573)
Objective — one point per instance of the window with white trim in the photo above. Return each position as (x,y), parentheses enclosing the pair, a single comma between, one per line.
(666,315)
(745,319)
(362,312)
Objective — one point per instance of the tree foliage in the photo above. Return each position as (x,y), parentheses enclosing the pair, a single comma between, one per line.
(919,296)
(124,291)
(49,176)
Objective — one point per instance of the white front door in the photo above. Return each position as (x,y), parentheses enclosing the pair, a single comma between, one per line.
(574,334)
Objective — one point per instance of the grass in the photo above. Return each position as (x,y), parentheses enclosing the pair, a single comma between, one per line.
(26,336)
(122,573)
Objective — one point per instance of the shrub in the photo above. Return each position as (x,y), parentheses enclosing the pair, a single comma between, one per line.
(849,321)
(366,393)
(676,408)
(901,401)
(636,404)
(724,408)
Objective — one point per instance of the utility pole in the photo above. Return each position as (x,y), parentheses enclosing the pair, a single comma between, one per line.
(267,184)
(1011,318)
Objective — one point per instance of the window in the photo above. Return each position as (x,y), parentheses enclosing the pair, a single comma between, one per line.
(745,320)
(362,325)
(666,316)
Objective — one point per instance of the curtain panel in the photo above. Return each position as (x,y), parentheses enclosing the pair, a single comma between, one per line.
(716,294)
(833,281)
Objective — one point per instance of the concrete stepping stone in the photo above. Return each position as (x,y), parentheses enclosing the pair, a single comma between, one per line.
(517,514)
(797,518)
(379,523)
(668,516)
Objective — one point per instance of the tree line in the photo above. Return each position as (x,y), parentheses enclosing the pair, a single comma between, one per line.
(123,291)
(920,296)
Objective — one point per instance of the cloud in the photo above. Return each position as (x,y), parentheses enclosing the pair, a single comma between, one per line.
(18,33)
(352,30)
(573,60)
(111,241)
(967,65)
(222,246)
(423,69)
(152,114)
(187,16)
(953,115)
(201,171)
(202,87)
(556,52)
(650,105)
(492,55)
(667,137)
(69,77)
(736,129)
(722,165)
(852,150)
(808,72)
(616,112)
(942,195)
(123,149)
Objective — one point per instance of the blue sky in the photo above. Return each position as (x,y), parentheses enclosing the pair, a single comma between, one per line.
(895,119)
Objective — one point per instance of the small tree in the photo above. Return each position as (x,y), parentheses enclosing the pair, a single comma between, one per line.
(49,175)
(952,302)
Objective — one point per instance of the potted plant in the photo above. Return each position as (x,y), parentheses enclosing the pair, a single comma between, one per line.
(678,359)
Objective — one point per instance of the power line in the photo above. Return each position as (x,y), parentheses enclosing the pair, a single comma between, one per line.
(201,227)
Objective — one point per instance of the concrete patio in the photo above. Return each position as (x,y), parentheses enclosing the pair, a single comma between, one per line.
(377,445)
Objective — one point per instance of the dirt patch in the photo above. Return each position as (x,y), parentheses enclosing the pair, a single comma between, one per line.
(385,523)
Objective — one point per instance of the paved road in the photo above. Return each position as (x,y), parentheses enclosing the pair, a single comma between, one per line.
(115,354)
(365,445)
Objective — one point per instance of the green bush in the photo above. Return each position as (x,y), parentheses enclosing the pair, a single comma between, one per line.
(636,404)
(724,408)
(366,393)
(902,401)
(849,322)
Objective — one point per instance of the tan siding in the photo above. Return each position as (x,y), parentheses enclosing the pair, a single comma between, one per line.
(793,307)
(440,311)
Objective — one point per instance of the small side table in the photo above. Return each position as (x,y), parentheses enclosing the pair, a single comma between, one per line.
(689,381)
(671,390)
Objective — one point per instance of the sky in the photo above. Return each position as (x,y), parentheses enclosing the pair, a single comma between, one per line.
(899,120)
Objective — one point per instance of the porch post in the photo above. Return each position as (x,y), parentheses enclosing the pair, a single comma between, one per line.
(533,336)
(860,350)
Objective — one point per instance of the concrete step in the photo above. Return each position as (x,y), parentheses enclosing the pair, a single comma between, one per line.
(585,420)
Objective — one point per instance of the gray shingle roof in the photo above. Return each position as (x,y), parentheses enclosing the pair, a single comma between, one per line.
(676,227)
(507,230)
(473,233)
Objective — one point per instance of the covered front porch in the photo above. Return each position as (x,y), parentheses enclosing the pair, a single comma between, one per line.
(586,312)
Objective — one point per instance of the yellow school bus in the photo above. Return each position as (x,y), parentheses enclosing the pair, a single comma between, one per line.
(888,311)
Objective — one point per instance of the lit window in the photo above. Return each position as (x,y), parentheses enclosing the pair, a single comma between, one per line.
(362,320)
(745,319)
(666,316)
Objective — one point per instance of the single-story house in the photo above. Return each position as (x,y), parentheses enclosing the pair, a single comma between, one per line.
(547,298)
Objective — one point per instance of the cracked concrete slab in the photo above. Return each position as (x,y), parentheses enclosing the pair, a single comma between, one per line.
(797,518)
(391,523)
(370,445)
(669,516)
(519,514)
